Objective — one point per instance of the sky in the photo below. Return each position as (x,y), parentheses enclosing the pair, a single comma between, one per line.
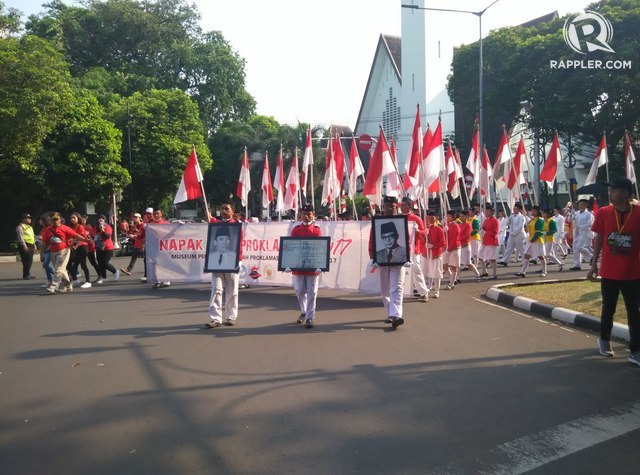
(310,61)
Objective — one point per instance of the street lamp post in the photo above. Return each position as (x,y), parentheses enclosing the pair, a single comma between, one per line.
(480,60)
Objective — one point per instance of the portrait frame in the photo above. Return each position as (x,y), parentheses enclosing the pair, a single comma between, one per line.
(304,253)
(400,251)
(229,260)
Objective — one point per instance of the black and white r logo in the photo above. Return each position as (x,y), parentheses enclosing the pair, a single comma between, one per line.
(588,32)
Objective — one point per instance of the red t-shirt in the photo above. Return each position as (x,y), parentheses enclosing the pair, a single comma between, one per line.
(90,234)
(103,240)
(420,232)
(435,237)
(620,243)
(82,232)
(453,236)
(57,237)
(465,233)
(491,227)
(305,231)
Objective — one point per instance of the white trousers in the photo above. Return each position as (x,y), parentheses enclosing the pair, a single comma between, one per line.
(581,246)
(392,287)
(514,243)
(474,245)
(550,251)
(306,287)
(418,276)
(227,281)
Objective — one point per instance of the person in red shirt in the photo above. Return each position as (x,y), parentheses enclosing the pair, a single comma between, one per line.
(80,252)
(135,235)
(617,241)
(420,289)
(158,219)
(224,282)
(433,249)
(104,250)
(489,248)
(465,248)
(306,283)
(451,258)
(56,237)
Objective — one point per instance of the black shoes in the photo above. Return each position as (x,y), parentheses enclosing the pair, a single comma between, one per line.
(213,325)
(397,321)
(301,318)
(309,324)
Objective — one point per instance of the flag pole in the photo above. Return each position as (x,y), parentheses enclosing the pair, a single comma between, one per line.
(204,196)
(604,134)
(630,164)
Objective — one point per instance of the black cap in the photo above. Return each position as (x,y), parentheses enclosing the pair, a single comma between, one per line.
(408,201)
(488,206)
(307,208)
(26,215)
(388,227)
(390,199)
(620,183)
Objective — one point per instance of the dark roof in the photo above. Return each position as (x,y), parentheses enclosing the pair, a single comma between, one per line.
(393,44)
(543,19)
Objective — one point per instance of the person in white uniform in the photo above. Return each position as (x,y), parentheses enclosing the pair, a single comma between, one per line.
(582,234)
(517,238)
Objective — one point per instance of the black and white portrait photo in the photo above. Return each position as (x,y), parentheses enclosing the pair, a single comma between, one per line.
(223,244)
(390,240)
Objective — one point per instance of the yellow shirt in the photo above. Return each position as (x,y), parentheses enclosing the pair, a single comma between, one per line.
(536,230)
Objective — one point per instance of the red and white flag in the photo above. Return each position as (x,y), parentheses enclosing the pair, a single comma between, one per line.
(338,158)
(278,182)
(356,169)
(503,157)
(473,162)
(393,187)
(380,166)
(330,187)
(599,160)
(453,185)
(434,161)
(307,163)
(244,182)
(412,168)
(190,186)
(267,187)
(291,196)
(486,173)
(549,171)
(515,176)
(629,158)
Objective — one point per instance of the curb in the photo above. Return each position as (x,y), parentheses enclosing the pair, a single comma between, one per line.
(565,315)
(8,259)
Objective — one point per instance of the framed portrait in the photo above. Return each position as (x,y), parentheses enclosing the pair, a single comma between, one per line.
(223,247)
(390,240)
(304,253)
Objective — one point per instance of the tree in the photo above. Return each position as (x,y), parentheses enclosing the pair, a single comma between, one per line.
(164,125)
(10,22)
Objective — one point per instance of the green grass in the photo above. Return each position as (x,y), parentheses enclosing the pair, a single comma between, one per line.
(582,296)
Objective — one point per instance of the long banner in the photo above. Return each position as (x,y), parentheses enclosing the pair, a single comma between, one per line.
(176,253)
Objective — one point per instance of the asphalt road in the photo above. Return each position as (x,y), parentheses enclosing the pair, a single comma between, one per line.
(123,379)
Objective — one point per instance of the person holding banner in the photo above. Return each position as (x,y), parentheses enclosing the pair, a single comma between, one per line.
(306,283)
(226,282)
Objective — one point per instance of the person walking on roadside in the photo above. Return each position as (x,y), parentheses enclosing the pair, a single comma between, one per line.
(79,253)
(451,258)
(465,248)
(617,245)
(434,247)
(104,250)
(582,235)
(137,238)
(57,236)
(417,277)
(559,238)
(45,252)
(550,232)
(306,283)
(535,246)
(158,219)
(489,249)
(517,239)
(224,282)
(26,245)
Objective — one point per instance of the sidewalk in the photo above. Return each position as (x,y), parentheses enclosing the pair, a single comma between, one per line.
(565,315)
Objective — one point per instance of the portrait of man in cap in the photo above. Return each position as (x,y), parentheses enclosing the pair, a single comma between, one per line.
(389,248)
(222,255)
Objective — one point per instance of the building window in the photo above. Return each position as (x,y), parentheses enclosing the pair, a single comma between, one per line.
(391,116)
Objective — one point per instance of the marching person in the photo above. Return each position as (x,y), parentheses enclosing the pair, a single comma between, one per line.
(617,240)
(465,249)
(489,248)
(56,238)
(517,239)
(559,237)
(224,282)
(535,246)
(502,235)
(104,250)
(26,245)
(392,276)
(582,235)
(157,219)
(45,252)
(137,237)
(550,232)
(435,245)
(475,238)
(451,258)
(306,283)
(79,252)
(419,285)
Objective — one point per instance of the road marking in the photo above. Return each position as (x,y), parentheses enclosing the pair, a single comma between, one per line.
(546,322)
(536,450)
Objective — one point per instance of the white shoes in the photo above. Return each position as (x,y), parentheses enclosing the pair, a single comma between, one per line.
(116,276)
(86,285)
(98,281)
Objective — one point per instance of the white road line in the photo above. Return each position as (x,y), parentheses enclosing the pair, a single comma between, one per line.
(546,322)
(536,450)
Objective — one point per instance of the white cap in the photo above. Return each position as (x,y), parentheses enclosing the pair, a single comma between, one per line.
(149,210)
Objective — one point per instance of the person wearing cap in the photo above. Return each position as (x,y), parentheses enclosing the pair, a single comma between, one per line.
(617,246)
(26,245)
(224,282)
(582,235)
(535,245)
(391,276)
(433,249)
(306,283)
(417,277)
(489,248)
(451,258)
(135,235)
(517,239)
